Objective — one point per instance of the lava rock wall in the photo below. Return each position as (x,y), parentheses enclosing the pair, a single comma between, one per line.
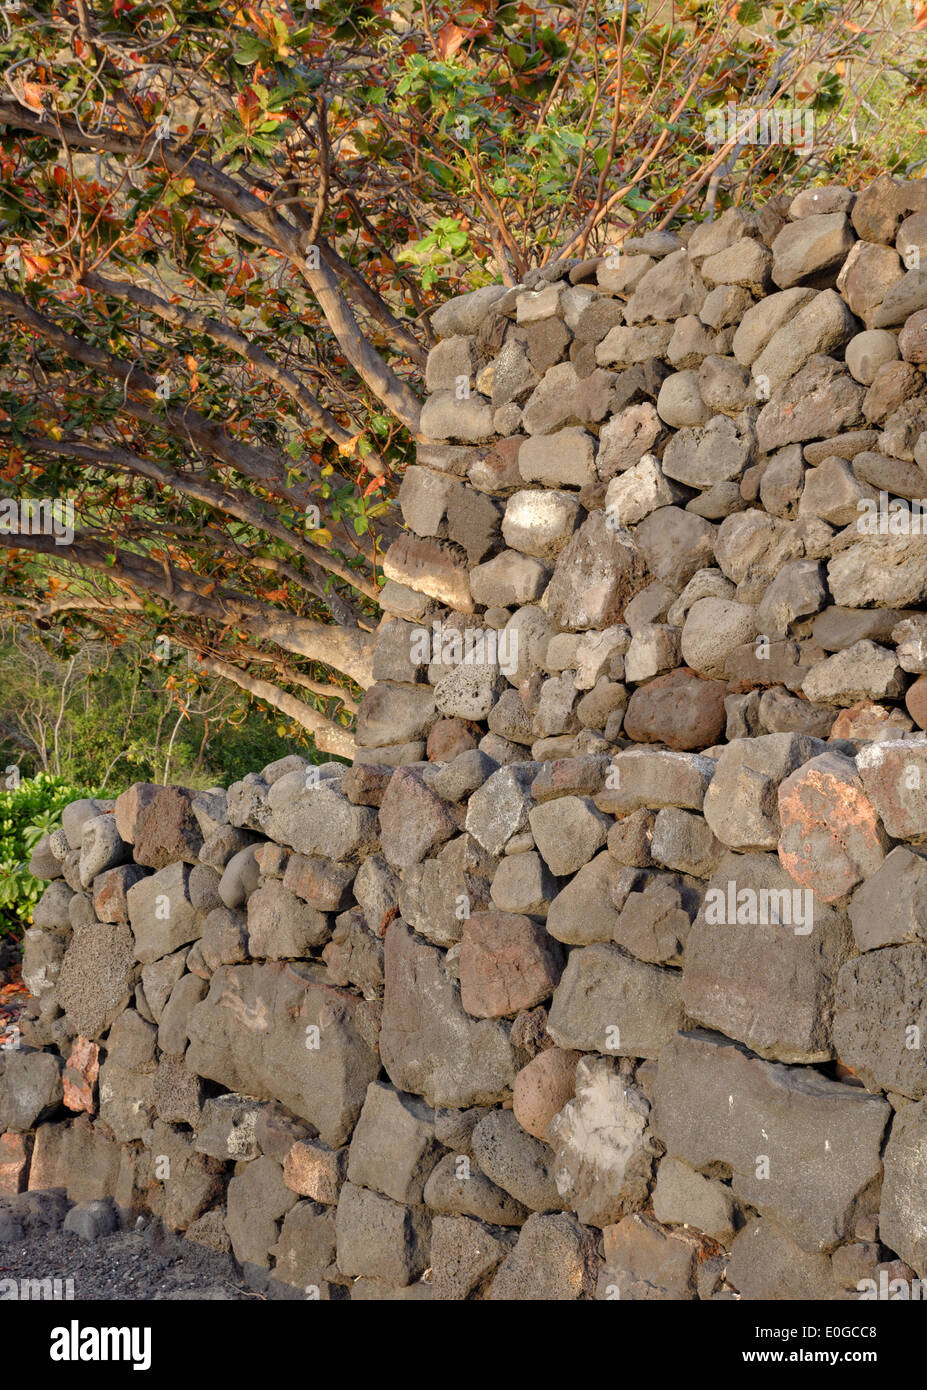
(603,972)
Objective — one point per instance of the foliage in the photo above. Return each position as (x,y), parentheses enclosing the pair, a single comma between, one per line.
(105,717)
(28,810)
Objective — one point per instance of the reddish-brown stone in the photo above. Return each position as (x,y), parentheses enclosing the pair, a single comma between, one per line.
(831,834)
(364,783)
(80,1075)
(507,963)
(542,1089)
(319,882)
(314,1170)
(14,1163)
(451,736)
(166,830)
(109,892)
(679,709)
(129,806)
(916,701)
(414,822)
(866,720)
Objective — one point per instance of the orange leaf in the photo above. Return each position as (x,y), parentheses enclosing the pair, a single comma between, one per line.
(349,445)
(451,38)
(32,95)
(36,266)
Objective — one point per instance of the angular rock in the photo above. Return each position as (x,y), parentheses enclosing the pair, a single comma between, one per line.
(741,804)
(831,838)
(820,400)
(583,911)
(595,576)
(675,544)
(515,1161)
(903,1213)
(563,459)
(102,848)
(161,914)
(275,1033)
(603,1151)
(864,671)
(879,571)
(766,1264)
(320,883)
(655,778)
(499,808)
(672,288)
(789,1115)
(431,567)
(554,1261)
(682,1197)
(227,1129)
(30,1089)
(608,1002)
(523,884)
(315,818)
(565,398)
(507,963)
(393,1149)
(761,961)
(306,1250)
(508,579)
(763,320)
(413,820)
(881,1017)
(257,1200)
(428,1043)
(166,829)
(814,244)
(282,926)
(568,832)
(464,1256)
(380,1238)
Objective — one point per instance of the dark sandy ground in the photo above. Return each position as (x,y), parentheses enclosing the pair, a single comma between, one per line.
(132,1265)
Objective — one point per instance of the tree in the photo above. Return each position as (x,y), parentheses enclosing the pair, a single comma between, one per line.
(225,230)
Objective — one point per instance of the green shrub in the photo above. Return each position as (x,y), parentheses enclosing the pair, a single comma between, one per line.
(27,812)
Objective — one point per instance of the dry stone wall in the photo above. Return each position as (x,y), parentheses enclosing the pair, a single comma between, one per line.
(603,971)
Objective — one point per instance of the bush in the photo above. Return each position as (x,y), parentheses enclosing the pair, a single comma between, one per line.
(27,812)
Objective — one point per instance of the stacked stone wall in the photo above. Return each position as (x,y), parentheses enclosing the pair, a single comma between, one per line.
(603,971)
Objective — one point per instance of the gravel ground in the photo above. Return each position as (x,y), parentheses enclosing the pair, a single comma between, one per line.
(134,1265)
